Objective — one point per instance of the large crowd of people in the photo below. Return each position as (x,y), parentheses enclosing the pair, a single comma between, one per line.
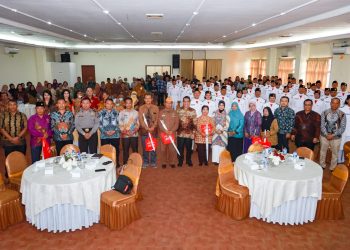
(209,113)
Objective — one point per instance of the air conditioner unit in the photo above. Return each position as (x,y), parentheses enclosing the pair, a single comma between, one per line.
(11,51)
(341,50)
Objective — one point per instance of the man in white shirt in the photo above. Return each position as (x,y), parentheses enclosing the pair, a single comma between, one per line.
(217,92)
(250,89)
(174,93)
(343,93)
(245,94)
(272,103)
(210,103)
(318,104)
(327,98)
(259,101)
(178,81)
(298,99)
(242,102)
(196,103)
(208,87)
(185,90)
(285,93)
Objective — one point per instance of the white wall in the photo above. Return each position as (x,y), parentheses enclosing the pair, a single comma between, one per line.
(121,63)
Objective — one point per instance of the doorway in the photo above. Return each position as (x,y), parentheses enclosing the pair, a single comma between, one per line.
(200,68)
(87,71)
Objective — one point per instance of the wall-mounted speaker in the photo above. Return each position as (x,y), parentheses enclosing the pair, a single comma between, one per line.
(65,57)
(176,61)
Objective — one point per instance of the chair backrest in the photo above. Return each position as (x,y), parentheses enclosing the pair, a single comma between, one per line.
(305,152)
(109,151)
(225,169)
(69,148)
(339,177)
(136,159)
(133,173)
(255,147)
(346,149)
(16,163)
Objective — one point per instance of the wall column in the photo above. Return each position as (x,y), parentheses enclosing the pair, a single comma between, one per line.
(271,68)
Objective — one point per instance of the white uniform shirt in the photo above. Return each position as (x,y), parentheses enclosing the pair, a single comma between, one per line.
(284,94)
(212,107)
(196,104)
(272,105)
(260,102)
(318,106)
(242,104)
(342,96)
(298,102)
(175,94)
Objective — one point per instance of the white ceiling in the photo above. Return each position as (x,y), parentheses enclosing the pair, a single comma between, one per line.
(222,22)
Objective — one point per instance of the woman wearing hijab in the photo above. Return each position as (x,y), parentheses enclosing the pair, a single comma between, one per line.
(39,89)
(200,137)
(220,132)
(32,95)
(252,125)
(269,127)
(235,131)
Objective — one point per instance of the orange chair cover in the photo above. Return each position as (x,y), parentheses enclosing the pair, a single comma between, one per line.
(347,153)
(233,199)
(16,163)
(109,151)
(330,207)
(305,152)
(255,147)
(11,210)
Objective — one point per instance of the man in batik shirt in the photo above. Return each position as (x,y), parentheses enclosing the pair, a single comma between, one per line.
(186,131)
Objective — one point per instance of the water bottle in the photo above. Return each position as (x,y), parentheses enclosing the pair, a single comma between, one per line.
(295,157)
(284,151)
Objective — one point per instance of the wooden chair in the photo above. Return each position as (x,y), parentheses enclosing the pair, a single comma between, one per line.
(233,199)
(69,148)
(109,151)
(11,209)
(330,207)
(16,163)
(346,149)
(305,152)
(118,210)
(255,147)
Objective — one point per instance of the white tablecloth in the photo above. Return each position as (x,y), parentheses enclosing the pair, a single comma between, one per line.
(27,109)
(60,202)
(282,194)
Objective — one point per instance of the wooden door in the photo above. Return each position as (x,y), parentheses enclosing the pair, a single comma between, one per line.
(87,71)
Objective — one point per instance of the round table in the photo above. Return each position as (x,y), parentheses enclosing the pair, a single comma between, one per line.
(27,109)
(60,202)
(280,194)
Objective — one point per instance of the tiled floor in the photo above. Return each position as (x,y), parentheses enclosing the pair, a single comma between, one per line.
(178,212)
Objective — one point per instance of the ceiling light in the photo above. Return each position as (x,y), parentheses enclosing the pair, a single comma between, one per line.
(13,32)
(154,16)
(119,23)
(106,11)
(71,30)
(85,35)
(195,13)
(283,13)
(49,23)
(253,24)
(103,41)
(14,10)
(224,36)
(187,24)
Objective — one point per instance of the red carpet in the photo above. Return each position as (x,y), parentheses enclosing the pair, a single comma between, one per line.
(178,212)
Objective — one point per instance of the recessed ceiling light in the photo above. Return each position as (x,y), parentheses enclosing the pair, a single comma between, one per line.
(187,24)
(282,13)
(14,10)
(253,24)
(132,36)
(195,13)
(71,30)
(119,23)
(223,36)
(85,35)
(106,11)
(49,23)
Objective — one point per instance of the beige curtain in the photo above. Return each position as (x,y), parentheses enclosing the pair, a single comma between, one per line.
(214,68)
(285,67)
(254,68)
(318,69)
(262,69)
(186,68)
